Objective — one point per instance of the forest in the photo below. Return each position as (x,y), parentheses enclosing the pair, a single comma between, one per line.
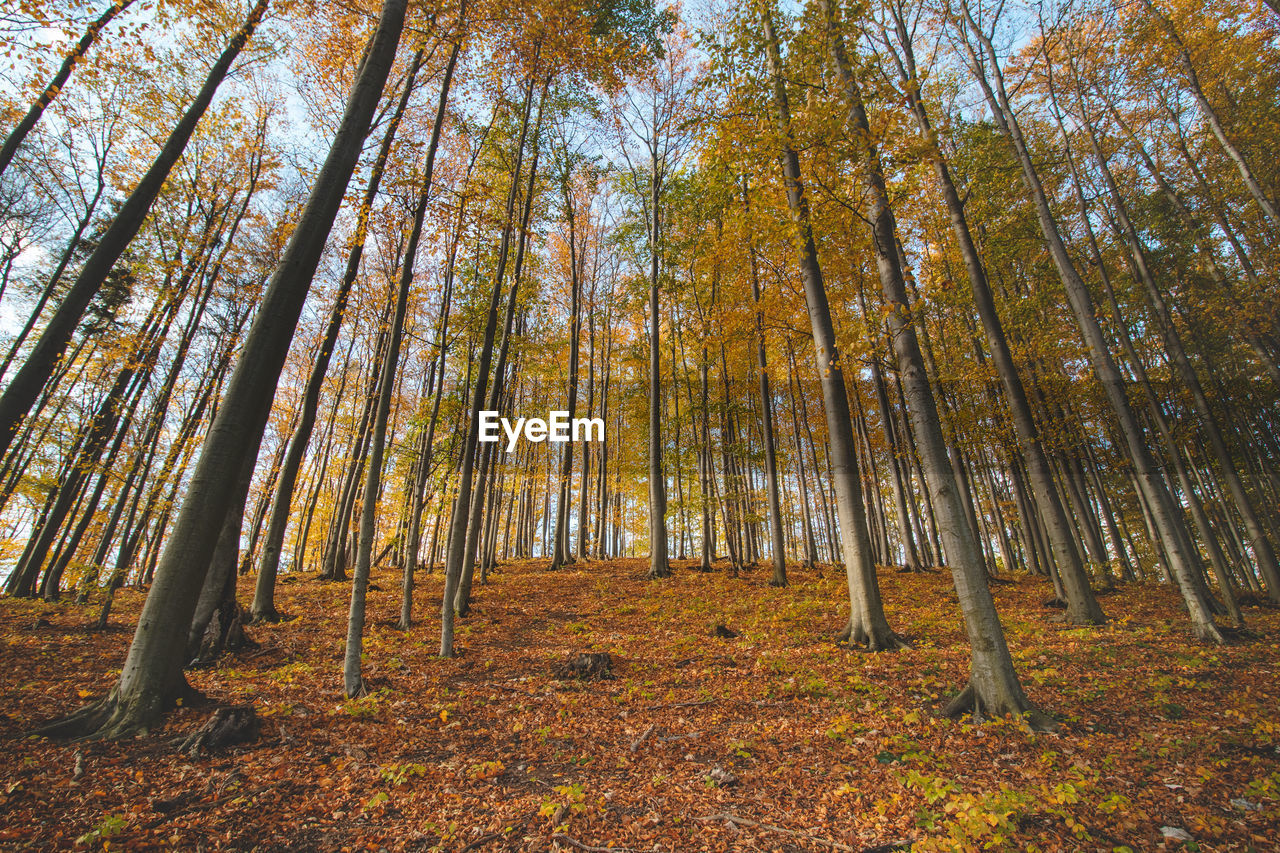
(619,425)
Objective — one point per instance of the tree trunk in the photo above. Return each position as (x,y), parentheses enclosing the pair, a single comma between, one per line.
(659,567)
(25,385)
(993,685)
(867,624)
(458,550)
(264,608)
(353,682)
(1184,564)
(59,81)
(779,577)
(563,556)
(152,679)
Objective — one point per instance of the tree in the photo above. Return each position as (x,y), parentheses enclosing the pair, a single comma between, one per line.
(152,678)
(1082,606)
(867,623)
(27,383)
(14,140)
(993,685)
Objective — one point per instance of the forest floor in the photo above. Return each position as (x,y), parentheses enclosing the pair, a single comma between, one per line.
(774,740)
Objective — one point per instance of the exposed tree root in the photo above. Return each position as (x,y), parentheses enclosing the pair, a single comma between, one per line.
(868,641)
(224,633)
(270,617)
(227,727)
(968,701)
(587,666)
(1208,632)
(112,718)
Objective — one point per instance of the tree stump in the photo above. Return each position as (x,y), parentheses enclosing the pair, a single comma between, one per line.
(587,666)
(227,727)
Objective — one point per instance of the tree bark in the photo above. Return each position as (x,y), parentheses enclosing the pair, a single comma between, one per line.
(25,385)
(993,684)
(458,551)
(1183,563)
(867,624)
(152,679)
(264,608)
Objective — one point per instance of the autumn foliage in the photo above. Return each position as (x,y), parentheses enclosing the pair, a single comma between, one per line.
(777,727)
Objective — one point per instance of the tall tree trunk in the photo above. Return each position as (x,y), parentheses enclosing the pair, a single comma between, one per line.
(25,385)
(993,685)
(779,577)
(1185,565)
(264,608)
(462,599)
(352,681)
(563,556)
(867,624)
(459,539)
(659,566)
(152,679)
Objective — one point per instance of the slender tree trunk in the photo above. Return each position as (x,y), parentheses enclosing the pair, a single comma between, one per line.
(867,624)
(458,550)
(1184,564)
(152,675)
(264,608)
(659,566)
(56,85)
(993,685)
(352,680)
(462,599)
(563,556)
(779,577)
(25,385)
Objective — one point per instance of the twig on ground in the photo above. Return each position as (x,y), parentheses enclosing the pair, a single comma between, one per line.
(564,839)
(481,841)
(680,737)
(734,819)
(493,836)
(209,804)
(678,705)
(635,744)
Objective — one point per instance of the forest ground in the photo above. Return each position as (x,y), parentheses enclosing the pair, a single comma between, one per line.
(775,740)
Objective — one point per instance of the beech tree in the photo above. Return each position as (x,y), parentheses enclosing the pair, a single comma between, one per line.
(902,287)
(152,676)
